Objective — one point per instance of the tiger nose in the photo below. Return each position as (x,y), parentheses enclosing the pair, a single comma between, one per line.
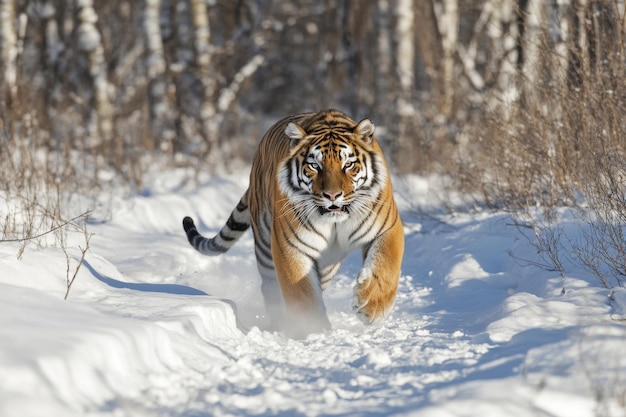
(331,195)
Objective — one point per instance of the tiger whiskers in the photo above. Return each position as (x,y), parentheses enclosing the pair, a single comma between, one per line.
(365,206)
(301,206)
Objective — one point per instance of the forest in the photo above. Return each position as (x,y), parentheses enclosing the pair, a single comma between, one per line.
(520,104)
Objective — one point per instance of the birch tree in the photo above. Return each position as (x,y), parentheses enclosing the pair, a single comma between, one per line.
(159,108)
(89,41)
(447,14)
(534,17)
(405,26)
(47,13)
(384,53)
(201,35)
(8,50)
(185,122)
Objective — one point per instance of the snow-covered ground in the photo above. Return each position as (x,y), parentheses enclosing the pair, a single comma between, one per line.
(149,328)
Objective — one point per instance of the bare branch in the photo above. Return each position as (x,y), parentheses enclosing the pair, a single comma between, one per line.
(83,251)
(25,239)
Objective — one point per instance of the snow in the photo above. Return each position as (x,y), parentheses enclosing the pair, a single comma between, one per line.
(152,328)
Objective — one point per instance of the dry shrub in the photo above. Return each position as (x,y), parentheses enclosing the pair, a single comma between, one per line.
(42,192)
(602,247)
(563,144)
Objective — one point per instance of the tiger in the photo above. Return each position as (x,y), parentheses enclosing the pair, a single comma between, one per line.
(319,189)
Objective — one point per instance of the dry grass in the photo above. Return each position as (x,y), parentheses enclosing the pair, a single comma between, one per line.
(39,187)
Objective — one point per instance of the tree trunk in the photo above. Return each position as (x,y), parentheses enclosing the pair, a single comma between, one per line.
(50,64)
(8,52)
(534,17)
(408,143)
(405,25)
(447,13)
(182,53)
(159,108)
(383,66)
(100,125)
(503,35)
(428,46)
(201,33)
(561,37)
(583,52)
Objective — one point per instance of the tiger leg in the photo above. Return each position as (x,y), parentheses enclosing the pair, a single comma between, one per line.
(378,280)
(274,305)
(272,298)
(301,290)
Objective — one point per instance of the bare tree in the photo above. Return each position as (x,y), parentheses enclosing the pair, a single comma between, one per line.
(201,33)
(160,109)
(8,49)
(89,41)
(447,13)
(405,26)
(47,13)
(534,18)
(384,53)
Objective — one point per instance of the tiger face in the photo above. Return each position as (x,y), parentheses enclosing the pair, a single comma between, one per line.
(332,173)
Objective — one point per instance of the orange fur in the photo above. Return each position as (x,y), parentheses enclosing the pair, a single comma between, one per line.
(301,293)
(319,189)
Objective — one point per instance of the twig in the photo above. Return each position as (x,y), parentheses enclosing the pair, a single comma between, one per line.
(24,239)
(80,263)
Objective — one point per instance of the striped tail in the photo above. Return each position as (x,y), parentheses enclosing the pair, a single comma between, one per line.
(237,224)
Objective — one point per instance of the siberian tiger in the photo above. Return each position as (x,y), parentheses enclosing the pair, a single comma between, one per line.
(319,189)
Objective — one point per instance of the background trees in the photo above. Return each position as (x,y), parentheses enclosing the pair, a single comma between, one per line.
(200,79)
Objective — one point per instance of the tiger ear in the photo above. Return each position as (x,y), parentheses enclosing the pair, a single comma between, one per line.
(295,133)
(365,130)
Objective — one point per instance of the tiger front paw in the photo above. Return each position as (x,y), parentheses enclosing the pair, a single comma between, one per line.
(373,300)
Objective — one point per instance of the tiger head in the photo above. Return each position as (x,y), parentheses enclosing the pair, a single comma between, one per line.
(333,172)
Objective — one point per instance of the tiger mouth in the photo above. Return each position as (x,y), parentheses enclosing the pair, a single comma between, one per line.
(333,209)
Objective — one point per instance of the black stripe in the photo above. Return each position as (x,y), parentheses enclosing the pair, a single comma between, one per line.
(290,171)
(267,222)
(226,238)
(293,245)
(382,228)
(388,228)
(291,229)
(261,261)
(302,181)
(236,226)
(296,163)
(316,267)
(242,206)
(209,245)
(265,250)
(309,226)
(191,234)
(367,230)
(371,216)
(363,228)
